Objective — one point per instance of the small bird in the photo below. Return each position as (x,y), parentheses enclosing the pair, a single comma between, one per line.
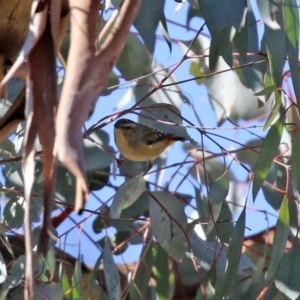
(138,142)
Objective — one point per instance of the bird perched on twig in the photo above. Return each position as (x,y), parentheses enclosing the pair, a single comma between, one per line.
(138,142)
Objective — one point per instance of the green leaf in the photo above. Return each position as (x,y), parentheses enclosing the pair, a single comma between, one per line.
(253,74)
(276,55)
(241,41)
(165,280)
(76,279)
(168,223)
(7,147)
(274,114)
(164,29)
(98,179)
(223,19)
(3,271)
(250,153)
(14,213)
(65,185)
(111,274)
(135,59)
(122,236)
(223,226)
(280,238)
(65,285)
(48,290)
(219,14)
(295,171)
(126,195)
(291,27)
(139,285)
(219,43)
(206,252)
(214,214)
(233,256)
(267,91)
(287,277)
(95,158)
(16,273)
(267,13)
(93,276)
(268,152)
(112,85)
(218,191)
(150,14)
(45,267)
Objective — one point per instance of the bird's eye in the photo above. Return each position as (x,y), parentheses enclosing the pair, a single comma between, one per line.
(126,127)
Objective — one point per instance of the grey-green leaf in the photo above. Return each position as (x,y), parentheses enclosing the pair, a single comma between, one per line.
(168,223)
(146,22)
(111,274)
(233,255)
(126,195)
(3,271)
(291,28)
(267,91)
(266,156)
(219,189)
(280,239)
(287,277)
(295,166)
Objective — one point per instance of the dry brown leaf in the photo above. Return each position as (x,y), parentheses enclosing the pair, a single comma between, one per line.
(85,80)
(40,112)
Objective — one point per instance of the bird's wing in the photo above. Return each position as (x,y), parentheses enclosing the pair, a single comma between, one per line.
(154,136)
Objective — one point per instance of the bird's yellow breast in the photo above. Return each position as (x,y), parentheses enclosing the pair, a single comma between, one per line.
(136,150)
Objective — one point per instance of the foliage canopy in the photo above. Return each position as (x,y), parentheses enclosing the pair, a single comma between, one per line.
(188,215)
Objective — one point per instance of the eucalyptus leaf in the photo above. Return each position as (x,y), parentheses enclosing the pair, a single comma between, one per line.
(139,285)
(291,29)
(126,195)
(206,251)
(253,74)
(111,274)
(165,278)
(168,223)
(96,158)
(150,14)
(266,12)
(222,23)
(286,279)
(223,225)
(233,256)
(3,271)
(76,279)
(50,290)
(295,171)
(280,239)
(14,213)
(135,59)
(121,237)
(266,91)
(271,38)
(218,191)
(266,156)
(7,148)
(215,210)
